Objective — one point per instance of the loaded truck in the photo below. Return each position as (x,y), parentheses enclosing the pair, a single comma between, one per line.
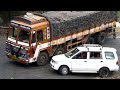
(36,37)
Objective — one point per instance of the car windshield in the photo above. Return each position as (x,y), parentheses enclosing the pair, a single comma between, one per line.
(71,53)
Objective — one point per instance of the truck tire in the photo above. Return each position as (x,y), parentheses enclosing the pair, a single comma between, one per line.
(59,50)
(42,59)
(101,38)
(90,40)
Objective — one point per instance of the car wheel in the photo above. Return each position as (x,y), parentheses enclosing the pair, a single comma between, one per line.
(63,70)
(104,72)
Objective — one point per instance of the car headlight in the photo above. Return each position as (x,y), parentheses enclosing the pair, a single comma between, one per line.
(55,62)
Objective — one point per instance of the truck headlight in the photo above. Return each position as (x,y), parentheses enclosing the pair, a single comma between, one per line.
(23,53)
(8,47)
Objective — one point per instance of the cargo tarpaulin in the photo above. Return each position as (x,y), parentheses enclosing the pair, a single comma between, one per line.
(69,22)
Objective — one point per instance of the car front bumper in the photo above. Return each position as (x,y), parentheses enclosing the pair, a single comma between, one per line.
(54,66)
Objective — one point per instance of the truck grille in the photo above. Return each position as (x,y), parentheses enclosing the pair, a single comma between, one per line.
(8,48)
(11,49)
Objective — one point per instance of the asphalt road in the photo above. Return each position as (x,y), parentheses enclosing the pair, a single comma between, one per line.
(13,70)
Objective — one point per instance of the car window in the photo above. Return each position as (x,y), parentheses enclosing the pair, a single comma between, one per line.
(81,55)
(109,55)
(95,55)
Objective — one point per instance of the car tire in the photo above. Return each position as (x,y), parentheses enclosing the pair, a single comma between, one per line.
(42,59)
(63,70)
(104,72)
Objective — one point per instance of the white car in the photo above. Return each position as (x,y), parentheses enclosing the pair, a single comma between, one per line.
(87,58)
(118,24)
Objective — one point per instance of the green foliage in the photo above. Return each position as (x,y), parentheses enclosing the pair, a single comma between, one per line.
(118,16)
(8,15)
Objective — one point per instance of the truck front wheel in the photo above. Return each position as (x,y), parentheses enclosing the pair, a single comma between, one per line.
(42,59)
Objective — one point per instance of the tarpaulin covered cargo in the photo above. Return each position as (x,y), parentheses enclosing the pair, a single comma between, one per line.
(69,22)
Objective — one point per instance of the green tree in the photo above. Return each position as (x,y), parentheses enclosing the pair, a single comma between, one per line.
(118,16)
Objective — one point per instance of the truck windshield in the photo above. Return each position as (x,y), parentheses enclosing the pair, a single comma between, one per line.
(71,53)
(24,36)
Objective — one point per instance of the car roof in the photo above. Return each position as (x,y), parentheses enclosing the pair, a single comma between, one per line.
(109,49)
(94,47)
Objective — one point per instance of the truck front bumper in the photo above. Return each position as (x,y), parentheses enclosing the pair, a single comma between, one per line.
(18,59)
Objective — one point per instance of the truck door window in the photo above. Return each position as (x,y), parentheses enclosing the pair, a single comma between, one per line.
(40,35)
(15,31)
(34,37)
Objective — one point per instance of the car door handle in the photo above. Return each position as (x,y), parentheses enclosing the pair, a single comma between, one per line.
(101,61)
(85,61)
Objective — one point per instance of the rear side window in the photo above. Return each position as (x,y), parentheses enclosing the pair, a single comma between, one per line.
(109,55)
(95,55)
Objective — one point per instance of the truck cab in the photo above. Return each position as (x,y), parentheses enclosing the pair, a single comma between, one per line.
(25,34)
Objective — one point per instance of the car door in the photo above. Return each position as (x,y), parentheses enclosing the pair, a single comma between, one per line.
(95,61)
(79,62)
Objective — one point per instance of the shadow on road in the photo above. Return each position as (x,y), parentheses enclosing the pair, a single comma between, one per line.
(17,64)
